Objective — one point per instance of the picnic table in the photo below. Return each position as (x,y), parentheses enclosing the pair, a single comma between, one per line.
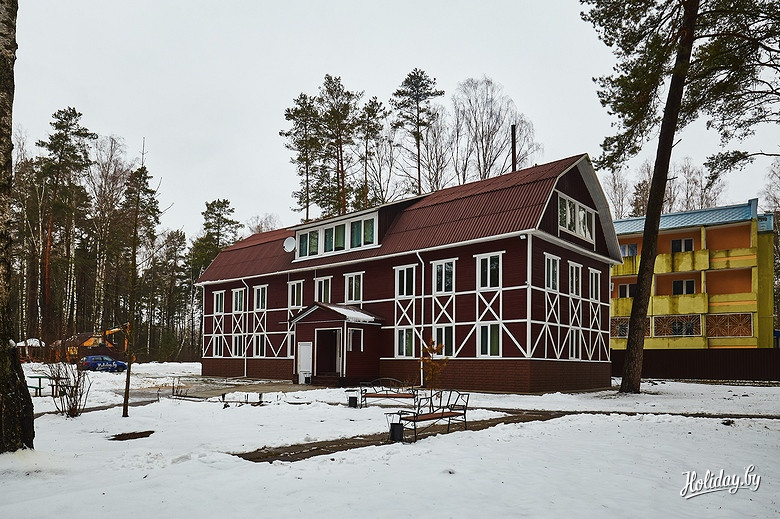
(39,386)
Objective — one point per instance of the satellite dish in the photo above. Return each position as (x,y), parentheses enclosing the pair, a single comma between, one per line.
(289,244)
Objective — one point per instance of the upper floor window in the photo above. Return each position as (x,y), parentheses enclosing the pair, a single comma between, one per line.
(354,287)
(683,286)
(575,218)
(682,245)
(405,342)
(219,302)
(219,346)
(404,281)
(594,284)
(489,271)
(551,264)
(444,277)
(335,238)
(332,238)
(575,279)
(628,250)
(238,300)
(445,336)
(626,290)
(261,298)
(295,294)
(238,346)
(322,290)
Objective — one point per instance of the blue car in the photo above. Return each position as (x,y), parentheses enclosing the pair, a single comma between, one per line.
(101,363)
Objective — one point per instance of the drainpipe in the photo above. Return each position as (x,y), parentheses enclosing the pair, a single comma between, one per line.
(244,324)
(422,312)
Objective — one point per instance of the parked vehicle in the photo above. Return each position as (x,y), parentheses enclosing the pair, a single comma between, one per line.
(101,363)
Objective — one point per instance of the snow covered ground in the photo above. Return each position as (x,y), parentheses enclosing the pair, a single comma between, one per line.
(582,465)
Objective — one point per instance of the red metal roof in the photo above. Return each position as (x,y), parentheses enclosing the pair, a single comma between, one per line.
(497,206)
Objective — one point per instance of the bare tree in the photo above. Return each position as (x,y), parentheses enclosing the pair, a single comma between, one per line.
(488,115)
(436,154)
(262,223)
(699,189)
(616,188)
(105,184)
(383,167)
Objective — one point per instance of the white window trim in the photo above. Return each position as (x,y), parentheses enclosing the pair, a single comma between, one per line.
(434,266)
(256,289)
(591,272)
(435,334)
(479,340)
(233,352)
(478,258)
(578,267)
(578,205)
(396,270)
(222,343)
(347,277)
(347,222)
(404,329)
(557,288)
(317,282)
(255,349)
(214,301)
(290,284)
(350,346)
(234,292)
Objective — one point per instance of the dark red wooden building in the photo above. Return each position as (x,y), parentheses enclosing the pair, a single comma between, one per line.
(510,274)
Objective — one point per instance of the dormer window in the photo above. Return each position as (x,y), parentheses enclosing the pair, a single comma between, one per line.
(339,237)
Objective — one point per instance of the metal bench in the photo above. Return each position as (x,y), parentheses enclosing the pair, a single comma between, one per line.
(438,407)
(386,389)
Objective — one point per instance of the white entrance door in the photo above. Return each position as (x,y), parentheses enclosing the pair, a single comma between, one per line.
(304,361)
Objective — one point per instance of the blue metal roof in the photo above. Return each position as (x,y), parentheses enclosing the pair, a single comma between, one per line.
(696,218)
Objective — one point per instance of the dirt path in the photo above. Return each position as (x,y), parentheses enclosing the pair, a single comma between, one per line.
(303,451)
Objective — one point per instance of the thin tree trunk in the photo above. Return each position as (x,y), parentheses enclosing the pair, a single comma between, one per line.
(632,368)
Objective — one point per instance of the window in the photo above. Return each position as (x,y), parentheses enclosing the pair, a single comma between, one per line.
(489,271)
(489,340)
(682,245)
(238,300)
(683,286)
(445,335)
(295,294)
(259,345)
(354,287)
(219,302)
(444,277)
(219,345)
(551,272)
(626,290)
(575,279)
(339,237)
(404,282)
(594,284)
(322,290)
(575,218)
(238,346)
(334,238)
(354,339)
(261,298)
(405,342)
(628,250)
(356,234)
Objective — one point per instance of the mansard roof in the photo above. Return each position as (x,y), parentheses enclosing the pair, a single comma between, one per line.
(503,206)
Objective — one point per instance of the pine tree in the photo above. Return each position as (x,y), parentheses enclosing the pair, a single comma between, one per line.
(412,103)
(369,125)
(714,58)
(304,140)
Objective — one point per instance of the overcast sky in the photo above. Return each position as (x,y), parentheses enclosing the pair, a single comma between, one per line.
(206,82)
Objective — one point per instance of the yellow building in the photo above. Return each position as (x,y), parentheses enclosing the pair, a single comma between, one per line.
(713,281)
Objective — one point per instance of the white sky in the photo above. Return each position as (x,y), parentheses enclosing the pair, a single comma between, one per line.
(206,83)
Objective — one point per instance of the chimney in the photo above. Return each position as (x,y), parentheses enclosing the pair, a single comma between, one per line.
(514,148)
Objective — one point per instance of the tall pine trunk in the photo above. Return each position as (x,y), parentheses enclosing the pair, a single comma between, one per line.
(632,368)
(16,409)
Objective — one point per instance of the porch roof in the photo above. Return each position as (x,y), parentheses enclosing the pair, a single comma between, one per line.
(351,314)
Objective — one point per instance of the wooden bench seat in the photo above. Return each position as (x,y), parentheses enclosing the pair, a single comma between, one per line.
(435,408)
(385,389)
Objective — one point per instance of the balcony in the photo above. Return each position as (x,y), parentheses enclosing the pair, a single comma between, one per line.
(630,267)
(620,306)
(682,261)
(731,303)
(734,258)
(677,305)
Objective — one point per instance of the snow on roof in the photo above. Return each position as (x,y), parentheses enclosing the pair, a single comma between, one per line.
(349,313)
